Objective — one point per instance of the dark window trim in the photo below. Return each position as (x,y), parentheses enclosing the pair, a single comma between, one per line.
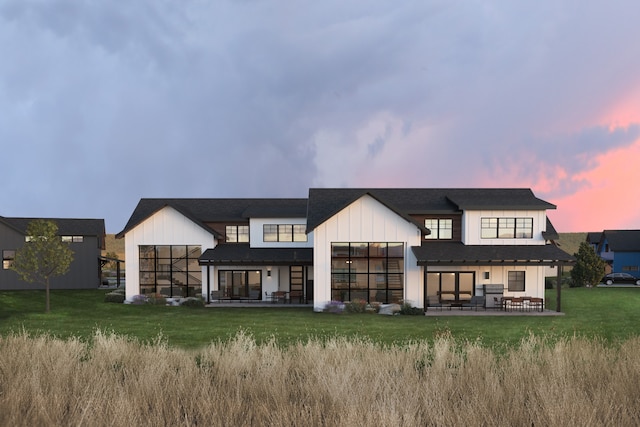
(438,230)
(490,227)
(158,270)
(516,278)
(283,231)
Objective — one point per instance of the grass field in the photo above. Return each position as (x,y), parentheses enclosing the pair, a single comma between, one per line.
(612,314)
(101,364)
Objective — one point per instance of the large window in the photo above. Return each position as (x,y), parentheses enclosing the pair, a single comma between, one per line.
(172,271)
(240,284)
(237,233)
(284,233)
(516,281)
(8,255)
(507,228)
(441,229)
(368,271)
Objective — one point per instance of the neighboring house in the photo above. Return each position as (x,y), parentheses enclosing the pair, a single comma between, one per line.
(381,245)
(621,250)
(86,239)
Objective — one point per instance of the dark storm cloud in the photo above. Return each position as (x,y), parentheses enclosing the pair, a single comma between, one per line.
(104,103)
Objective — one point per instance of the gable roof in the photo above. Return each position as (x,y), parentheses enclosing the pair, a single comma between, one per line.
(203,211)
(326,202)
(66,226)
(622,240)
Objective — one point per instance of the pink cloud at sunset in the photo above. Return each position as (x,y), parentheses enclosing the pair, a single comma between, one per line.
(608,199)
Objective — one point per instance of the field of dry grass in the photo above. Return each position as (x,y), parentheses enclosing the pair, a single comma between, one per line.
(119,382)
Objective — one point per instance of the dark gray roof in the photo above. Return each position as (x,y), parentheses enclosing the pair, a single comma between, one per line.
(243,254)
(326,202)
(594,237)
(456,253)
(66,226)
(550,233)
(622,240)
(202,211)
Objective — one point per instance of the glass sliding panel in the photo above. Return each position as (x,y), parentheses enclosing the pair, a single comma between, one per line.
(448,286)
(254,280)
(465,285)
(433,284)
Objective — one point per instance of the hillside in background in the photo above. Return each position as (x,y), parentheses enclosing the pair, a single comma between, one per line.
(114,245)
(569,242)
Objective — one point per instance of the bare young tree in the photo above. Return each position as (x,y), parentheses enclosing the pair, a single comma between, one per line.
(43,256)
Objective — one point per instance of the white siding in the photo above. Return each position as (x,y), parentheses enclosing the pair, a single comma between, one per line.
(365,220)
(165,227)
(471,227)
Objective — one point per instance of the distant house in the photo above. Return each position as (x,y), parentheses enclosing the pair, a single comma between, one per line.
(380,245)
(620,249)
(86,239)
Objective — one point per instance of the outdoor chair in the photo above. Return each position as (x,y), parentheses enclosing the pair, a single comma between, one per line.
(517,303)
(433,302)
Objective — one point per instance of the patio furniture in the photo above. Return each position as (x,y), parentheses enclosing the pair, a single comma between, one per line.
(434,302)
(516,303)
(475,302)
(297,295)
(279,296)
(536,303)
(219,296)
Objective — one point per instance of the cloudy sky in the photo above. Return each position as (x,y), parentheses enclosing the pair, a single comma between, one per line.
(103,103)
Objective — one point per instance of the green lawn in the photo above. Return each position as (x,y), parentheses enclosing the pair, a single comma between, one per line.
(612,314)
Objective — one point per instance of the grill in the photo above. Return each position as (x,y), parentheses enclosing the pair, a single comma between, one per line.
(493,295)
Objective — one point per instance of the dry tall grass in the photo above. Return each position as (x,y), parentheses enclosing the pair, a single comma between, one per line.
(117,382)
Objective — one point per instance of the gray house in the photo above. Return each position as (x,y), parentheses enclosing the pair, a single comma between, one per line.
(86,239)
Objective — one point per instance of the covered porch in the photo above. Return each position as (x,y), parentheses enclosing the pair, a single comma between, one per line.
(469,279)
(239,274)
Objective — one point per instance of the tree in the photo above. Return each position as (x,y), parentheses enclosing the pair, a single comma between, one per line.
(43,256)
(589,267)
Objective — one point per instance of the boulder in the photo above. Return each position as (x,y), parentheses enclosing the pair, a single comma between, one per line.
(389,309)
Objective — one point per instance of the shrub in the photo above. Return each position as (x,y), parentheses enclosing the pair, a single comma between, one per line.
(156,299)
(139,299)
(114,297)
(335,307)
(356,306)
(407,309)
(193,302)
(374,307)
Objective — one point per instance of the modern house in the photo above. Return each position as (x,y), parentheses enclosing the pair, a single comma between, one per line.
(380,245)
(620,249)
(86,239)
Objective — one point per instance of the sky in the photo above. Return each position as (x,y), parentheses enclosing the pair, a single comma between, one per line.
(104,103)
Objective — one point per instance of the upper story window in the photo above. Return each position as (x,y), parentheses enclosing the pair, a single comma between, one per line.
(237,233)
(8,255)
(507,228)
(284,233)
(74,239)
(441,229)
